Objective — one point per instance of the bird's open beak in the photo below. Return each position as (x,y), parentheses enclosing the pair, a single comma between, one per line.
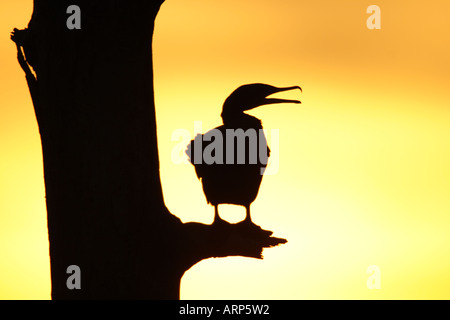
(277,100)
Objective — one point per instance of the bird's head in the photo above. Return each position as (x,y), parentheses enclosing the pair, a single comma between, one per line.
(250,96)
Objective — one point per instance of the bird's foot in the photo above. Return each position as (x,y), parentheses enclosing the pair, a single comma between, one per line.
(219,222)
(249,225)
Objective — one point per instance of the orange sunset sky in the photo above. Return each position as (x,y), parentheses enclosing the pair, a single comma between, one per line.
(363,164)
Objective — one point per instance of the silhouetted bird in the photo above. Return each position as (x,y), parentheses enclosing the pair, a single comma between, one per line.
(25,39)
(20,38)
(230,160)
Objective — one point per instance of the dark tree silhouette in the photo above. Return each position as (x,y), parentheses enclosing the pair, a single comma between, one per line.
(92,91)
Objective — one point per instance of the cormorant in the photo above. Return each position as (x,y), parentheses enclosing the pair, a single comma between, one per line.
(230,160)
(26,40)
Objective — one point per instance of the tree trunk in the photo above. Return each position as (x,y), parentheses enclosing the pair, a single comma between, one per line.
(94,104)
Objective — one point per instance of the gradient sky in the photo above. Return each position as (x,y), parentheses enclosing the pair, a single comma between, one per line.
(364,175)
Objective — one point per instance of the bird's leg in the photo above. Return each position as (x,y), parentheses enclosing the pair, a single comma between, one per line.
(249,225)
(247,219)
(217,218)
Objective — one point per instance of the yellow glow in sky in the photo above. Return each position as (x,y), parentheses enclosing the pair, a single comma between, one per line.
(364,175)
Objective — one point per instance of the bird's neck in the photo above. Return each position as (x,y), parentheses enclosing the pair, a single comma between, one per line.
(240,120)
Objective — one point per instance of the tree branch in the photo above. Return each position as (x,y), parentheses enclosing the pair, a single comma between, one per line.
(225,239)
